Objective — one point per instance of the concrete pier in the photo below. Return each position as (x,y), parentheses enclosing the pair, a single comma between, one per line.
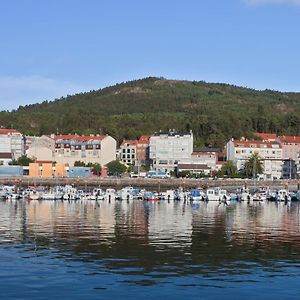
(147,183)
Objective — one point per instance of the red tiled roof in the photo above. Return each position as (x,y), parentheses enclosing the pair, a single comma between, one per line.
(85,138)
(144,139)
(254,144)
(8,131)
(129,142)
(289,139)
(266,136)
(64,137)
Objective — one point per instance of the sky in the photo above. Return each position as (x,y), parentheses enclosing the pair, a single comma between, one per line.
(54,48)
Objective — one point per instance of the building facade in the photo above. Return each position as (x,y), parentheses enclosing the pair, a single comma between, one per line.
(290,147)
(11,141)
(167,149)
(128,152)
(87,149)
(142,151)
(270,153)
(40,148)
(47,170)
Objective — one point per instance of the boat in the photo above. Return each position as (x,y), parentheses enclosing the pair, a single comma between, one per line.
(110,194)
(217,194)
(125,194)
(34,195)
(197,195)
(97,194)
(168,195)
(180,195)
(262,194)
(149,196)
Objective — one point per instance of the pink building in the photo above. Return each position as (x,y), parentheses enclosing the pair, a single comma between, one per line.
(290,147)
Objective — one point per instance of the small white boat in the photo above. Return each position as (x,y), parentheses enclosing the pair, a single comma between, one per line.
(283,195)
(197,195)
(125,194)
(34,195)
(110,194)
(217,194)
(169,195)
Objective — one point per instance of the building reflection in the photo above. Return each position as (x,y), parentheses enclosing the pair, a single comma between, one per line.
(155,234)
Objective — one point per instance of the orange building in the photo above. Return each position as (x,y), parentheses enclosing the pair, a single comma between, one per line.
(47,169)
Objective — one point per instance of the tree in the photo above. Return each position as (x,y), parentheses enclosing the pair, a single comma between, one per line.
(253,166)
(79,163)
(22,161)
(96,169)
(115,166)
(229,169)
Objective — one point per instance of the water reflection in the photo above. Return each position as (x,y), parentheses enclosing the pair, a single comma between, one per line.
(152,243)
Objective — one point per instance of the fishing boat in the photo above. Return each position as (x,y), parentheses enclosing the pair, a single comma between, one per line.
(217,194)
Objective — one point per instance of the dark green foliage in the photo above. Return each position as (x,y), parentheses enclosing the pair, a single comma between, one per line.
(215,112)
(115,167)
(79,163)
(96,168)
(253,166)
(22,161)
(229,169)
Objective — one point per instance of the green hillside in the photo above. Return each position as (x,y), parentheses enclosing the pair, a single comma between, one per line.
(214,112)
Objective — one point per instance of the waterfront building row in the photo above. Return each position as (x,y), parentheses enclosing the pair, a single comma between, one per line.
(162,151)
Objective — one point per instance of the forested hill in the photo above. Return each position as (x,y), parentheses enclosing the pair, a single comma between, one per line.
(214,112)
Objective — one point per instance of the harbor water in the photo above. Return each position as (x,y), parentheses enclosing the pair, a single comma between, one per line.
(143,250)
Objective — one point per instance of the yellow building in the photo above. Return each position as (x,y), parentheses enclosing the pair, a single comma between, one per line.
(47,169)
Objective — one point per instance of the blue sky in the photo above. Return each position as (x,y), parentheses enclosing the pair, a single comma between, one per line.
(52,48)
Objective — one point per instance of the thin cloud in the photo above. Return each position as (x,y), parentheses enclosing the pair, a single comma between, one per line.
(16,91)
(271,2)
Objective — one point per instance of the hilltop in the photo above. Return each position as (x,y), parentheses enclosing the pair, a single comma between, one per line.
(215,112)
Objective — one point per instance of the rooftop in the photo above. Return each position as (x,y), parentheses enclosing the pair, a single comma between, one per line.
(255,144)
(129,142)
(8,131)
(172,132)
(266,136)
(289,139)
(79,138)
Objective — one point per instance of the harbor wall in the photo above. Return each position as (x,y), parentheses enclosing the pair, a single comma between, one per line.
(147,183)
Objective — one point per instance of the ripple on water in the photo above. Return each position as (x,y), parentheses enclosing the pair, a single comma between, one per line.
(119,249)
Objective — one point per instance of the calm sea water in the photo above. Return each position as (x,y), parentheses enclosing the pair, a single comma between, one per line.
(120,250)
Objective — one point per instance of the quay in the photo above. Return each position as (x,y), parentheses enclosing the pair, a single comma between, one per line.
(147,183)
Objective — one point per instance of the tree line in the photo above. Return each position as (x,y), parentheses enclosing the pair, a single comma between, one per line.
(215,112)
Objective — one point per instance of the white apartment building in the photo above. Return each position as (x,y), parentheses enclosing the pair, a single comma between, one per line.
(167,149)
(239,151)
(11,141)
(87,149)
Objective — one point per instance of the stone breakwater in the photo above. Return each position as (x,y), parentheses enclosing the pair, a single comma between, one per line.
(147,183)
